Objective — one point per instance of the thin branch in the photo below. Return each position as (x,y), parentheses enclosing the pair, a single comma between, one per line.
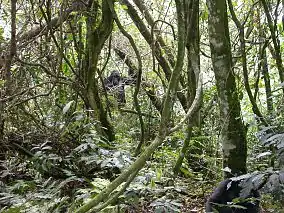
(240,27)
(42,67)
(144,10)
(153,27)
(54,23)
(138,79)
(275,41)
(100,72)
(36,96)
(58,46)
(196,104)
(135,112)
(159,54)
(24,91)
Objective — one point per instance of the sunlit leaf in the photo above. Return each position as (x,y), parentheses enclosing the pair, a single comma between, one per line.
(67,107)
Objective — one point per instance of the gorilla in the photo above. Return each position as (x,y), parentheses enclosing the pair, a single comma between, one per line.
(114,81)
(226,192)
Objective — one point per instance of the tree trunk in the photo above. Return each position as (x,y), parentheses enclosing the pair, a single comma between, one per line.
(266,78)
(233,134)
(96,37)
(192,45)
(5,69)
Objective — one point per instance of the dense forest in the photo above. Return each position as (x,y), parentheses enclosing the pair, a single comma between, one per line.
(141,106)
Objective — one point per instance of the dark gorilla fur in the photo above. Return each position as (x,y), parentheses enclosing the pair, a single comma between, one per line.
(228,190)
(114,81)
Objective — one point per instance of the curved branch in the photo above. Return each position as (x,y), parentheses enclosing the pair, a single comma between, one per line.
(196,104)
(138,79)
(165,64)
(23,92)
(157,21)
(144,10)
(100,72)
(135,112)
(275,42)
(244,63)
(44,69)
(77,5)
(36,96)
(150,92)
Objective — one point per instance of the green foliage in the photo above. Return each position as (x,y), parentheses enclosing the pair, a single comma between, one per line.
(123,6)
(268,202)
(60,179)
(53,159)
(1,35)
(204,15)
(99,184)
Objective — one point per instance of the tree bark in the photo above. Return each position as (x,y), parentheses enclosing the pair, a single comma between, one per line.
(191,11)
(6,68)
(96,37)
(233,134)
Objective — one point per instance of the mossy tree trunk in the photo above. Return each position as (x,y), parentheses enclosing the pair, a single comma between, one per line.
(5,69)
(96,37)
(191,11)
(263,64)
(233,134)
